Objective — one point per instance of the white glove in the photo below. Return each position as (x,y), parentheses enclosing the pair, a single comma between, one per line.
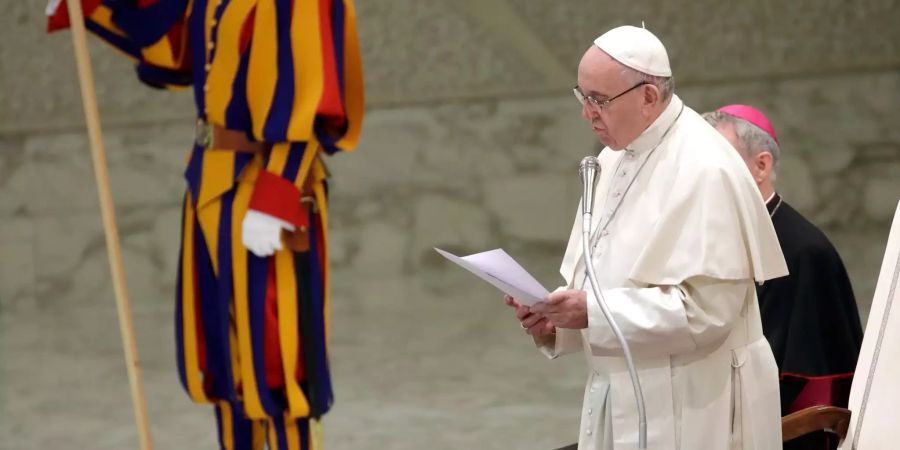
(261,233)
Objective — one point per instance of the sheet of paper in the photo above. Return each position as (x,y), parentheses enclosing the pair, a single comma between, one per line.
(501,270)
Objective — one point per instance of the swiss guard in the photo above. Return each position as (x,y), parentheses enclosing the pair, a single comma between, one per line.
(277,85)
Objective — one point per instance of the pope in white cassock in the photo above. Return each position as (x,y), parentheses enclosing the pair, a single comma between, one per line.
(680,234)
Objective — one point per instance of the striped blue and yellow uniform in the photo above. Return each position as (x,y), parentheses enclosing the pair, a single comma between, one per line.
(252,332)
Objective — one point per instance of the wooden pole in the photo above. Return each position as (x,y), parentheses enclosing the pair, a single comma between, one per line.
(114,251)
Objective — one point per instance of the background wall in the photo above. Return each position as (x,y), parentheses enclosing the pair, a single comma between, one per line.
(471,142)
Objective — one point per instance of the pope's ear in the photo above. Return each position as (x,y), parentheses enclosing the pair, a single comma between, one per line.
(652,94)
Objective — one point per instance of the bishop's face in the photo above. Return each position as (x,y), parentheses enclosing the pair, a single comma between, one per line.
(613,103)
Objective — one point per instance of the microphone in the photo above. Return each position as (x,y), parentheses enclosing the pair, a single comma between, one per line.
(589,169)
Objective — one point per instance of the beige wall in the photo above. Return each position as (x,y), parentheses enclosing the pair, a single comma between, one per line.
(471,142)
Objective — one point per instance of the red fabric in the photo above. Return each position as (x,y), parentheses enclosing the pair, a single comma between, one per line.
(320,245)
(821,390)
(278,197)
(330,104)
(174,35)
(299,372)
(816,392)
(814,377)
(60,18)
(247,31)
(201,336)
(272,344)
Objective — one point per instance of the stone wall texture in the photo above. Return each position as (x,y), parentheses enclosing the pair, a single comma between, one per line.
(471,142)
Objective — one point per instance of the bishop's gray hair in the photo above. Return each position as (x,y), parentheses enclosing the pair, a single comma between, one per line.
(666,85)
(751,139)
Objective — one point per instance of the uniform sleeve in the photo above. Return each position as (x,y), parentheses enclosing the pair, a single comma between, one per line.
(667,320)
(151,32)
(340,110)
(325,115)
(277,191)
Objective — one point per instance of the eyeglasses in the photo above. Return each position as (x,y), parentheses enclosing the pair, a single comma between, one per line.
(601,105)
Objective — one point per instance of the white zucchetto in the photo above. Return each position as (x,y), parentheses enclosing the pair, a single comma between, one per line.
(636,48)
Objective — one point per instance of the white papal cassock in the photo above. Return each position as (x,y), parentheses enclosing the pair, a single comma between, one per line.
(680,235)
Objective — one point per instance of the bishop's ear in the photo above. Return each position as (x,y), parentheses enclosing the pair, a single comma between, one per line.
(763,163)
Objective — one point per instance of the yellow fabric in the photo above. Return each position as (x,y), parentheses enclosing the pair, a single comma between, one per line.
(218,166)
(310,155)
(221,75)
(194,376)
(259,434)
(263,68)
(273,436)
(252,404)
(306,45)
(354,92)
(218,171)
(288,331)
(103,17)
(322,200)
(280,154)
(291,433)
(227,438)
(278,157)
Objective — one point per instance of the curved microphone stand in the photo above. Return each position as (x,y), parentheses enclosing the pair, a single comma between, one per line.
(588,169)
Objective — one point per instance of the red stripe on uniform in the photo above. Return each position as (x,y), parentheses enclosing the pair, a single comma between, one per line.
(198,315)
(330,104)
(272,345)
(247,31)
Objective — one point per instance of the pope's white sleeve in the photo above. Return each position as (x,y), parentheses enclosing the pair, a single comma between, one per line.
(563,342)
(665,320)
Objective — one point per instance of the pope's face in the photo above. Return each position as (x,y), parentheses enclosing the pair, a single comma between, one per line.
(619,122)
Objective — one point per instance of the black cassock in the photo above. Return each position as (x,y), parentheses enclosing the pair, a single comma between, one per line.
(811,321)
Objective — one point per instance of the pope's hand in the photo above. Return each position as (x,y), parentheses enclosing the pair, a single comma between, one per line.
(261,233)
(533,324)
(566,309)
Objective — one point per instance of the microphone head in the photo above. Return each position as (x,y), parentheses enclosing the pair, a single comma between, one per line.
(589,170)
(588,163)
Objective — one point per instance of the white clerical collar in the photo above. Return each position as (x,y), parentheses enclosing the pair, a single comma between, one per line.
(652,136)
(770,197)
